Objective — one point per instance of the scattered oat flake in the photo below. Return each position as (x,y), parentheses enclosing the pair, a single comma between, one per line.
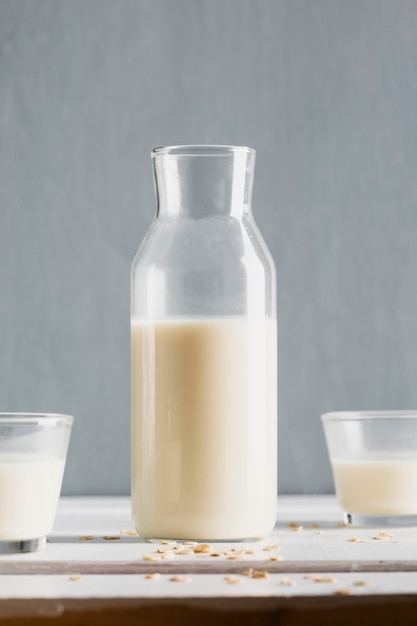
(342,592)
(189,543)
(168,543)
(320,579)
(324,579)
(155,576)
(293,524)
(381,536)
(295,527)
(247,572)
(180,579)
(233,580)
(362,583)
(129,533)
(354,540)
(235,551)
(313,526)
(202,547)
(341,525)
(249,551)
(184,552)
(235,557)
(85,538)
(152,557)
(167,556)
(216,554)
(275,558)
(287,582)
(111,537)
(269,548)
(258,574)
(75,577)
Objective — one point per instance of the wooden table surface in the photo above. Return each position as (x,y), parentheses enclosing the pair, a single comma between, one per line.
(311,570)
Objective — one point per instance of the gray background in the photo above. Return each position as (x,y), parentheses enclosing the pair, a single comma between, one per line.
(325,90)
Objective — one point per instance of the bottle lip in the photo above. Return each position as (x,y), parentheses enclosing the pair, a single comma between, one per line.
(203,150)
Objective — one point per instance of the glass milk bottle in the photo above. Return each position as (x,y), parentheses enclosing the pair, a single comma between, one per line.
(204,344)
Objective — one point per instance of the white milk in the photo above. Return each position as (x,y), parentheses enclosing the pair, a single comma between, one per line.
(204,428)
(377,487)
(29,492)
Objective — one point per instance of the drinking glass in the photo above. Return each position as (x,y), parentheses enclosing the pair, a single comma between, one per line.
(33,450)
(374,461)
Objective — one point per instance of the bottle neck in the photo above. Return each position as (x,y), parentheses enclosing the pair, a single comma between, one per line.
(201,181)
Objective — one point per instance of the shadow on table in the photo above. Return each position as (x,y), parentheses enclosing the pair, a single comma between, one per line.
(86,539)
(310,525)
(314,525)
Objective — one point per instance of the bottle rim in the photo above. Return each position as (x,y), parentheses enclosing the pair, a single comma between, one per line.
(203,150)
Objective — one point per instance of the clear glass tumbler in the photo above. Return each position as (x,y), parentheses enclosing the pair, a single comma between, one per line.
(204,363)
(374,461)
(33,450)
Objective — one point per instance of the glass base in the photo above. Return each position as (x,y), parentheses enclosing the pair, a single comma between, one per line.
(379,521)
(24,545)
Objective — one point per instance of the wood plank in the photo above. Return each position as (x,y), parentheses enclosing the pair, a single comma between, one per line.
(246,612)
(243,612)
(321,545)
(109,600)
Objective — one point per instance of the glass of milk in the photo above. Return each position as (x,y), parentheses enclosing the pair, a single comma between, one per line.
(204,354)
(374,461)
(33,449)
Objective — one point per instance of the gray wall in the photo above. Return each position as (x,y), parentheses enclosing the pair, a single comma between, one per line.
(325,90)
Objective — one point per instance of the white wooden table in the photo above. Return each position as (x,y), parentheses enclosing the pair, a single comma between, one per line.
(93,572)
